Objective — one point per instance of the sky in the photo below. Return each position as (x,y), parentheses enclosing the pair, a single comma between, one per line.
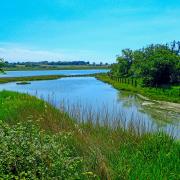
(89,30)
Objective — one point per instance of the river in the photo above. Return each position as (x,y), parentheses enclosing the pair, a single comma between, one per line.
(86,97)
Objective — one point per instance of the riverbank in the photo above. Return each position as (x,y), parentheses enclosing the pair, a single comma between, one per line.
(40,78)
(171,94)
(29,78)
(25,68)
(39,141)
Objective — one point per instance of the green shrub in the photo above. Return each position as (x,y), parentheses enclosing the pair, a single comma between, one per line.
(28,152)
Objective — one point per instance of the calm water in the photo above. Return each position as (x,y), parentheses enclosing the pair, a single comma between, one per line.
(52,72)
(89,93)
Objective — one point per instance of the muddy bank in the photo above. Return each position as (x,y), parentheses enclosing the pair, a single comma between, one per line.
(164,105)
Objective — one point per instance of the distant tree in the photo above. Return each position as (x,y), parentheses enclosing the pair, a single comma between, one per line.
(173,45)
(178,44)
(1,65)
(52,63)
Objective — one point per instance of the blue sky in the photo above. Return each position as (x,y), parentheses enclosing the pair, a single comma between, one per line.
(33,30)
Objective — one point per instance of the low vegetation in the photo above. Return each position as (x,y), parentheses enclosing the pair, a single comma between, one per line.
(29,78)
(24,79)
(27,152)
(45,143)
(166,93)
(23,83)
(54,67)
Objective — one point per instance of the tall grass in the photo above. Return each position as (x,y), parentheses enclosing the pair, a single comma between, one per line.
(94,150)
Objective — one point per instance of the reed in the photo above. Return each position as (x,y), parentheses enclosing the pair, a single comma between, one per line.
(98,148)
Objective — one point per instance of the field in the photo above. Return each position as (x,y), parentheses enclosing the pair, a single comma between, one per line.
(43,142)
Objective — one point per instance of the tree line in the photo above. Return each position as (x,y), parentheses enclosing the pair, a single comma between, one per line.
(52,63)
(39,63)
(156,64)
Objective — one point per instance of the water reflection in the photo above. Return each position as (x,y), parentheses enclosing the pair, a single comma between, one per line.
(52,72)
(87,98)
(157,114)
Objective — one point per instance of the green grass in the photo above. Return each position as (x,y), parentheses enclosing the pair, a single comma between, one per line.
(24,68)
(170,94)
(39,141)
(40,78)
(29,78)
(23,83)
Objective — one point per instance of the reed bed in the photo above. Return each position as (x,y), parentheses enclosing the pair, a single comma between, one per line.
(66,144)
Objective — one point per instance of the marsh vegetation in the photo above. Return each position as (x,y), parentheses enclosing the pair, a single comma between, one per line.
(45,142)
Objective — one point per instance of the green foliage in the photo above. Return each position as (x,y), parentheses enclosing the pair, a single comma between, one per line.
(123,63)
(155,64)
(1,65)
(23,83)
(28,152)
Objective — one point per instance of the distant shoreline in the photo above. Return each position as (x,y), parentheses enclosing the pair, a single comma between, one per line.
(23,68)
(4,80)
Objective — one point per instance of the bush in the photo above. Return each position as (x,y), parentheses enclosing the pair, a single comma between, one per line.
(27,152)
(1,65)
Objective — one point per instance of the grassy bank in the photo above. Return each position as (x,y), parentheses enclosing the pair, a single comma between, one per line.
(170,94)
(29,78)
(41,78)
(24,68)
(39,141)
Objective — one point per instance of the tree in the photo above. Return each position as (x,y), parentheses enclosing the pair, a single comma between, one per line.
(1,65)
(155,64)
(159,65)
(123,63)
